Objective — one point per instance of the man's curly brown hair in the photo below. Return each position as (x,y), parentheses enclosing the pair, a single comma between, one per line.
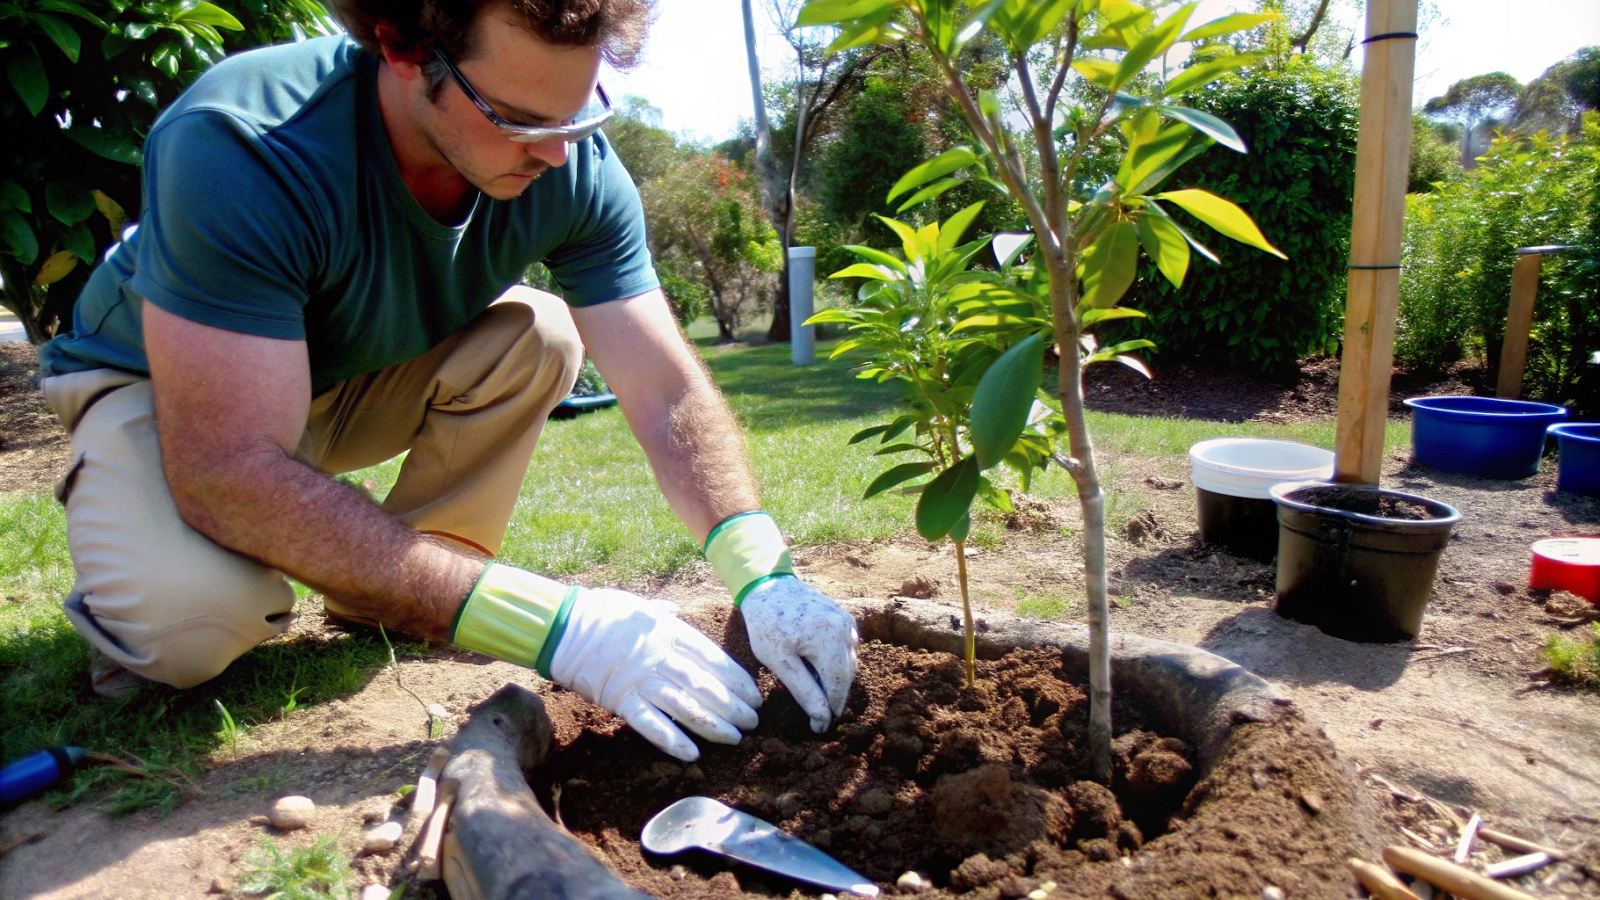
(617,27)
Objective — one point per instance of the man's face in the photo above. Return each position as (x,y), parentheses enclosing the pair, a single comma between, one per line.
(528,82)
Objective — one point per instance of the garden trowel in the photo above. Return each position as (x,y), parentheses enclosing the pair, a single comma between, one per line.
(703,822)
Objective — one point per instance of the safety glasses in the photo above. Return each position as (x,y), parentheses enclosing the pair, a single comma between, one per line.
(587,122)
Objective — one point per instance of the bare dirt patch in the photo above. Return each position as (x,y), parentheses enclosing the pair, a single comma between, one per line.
(33,447)
(1460,720)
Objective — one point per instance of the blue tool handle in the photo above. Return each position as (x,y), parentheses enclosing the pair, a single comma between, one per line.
(34,774)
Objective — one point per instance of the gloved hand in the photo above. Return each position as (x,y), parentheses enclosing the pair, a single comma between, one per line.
(805,638)
(633,656)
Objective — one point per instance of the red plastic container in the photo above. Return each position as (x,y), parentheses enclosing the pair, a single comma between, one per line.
(1567,564)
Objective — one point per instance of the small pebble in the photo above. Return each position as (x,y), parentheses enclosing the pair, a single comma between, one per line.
(292,812)
(220,885)
(374,809)
(677,873)
(435,711)
(1271,892)
(911,883)
(375,892)
(382,838)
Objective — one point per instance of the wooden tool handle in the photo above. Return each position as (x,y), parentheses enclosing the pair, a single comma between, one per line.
(1464,883)
(1379,882)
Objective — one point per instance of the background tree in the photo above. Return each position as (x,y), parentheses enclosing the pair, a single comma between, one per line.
(1433,154)
(1556,100)
(1477,104)
(85,82)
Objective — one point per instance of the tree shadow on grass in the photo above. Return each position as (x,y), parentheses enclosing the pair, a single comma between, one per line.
(769,392)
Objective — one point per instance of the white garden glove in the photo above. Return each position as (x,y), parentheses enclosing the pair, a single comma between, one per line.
(633,656)
(806,639)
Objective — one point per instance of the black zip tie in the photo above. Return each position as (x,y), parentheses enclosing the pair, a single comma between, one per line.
(1391,35)
(1354,266)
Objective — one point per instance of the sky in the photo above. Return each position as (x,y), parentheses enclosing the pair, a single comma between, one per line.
(694,67)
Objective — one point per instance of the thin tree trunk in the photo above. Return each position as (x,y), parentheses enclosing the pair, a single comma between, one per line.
(1304,40)
(772,183)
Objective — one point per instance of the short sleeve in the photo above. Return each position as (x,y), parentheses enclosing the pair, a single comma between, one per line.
(225,238)
(606,256)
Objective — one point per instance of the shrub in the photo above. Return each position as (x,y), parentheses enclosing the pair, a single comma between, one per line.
(86,79)
(1460,247)
(1256,312)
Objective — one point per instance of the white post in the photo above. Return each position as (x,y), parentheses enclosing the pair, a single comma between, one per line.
(802,338)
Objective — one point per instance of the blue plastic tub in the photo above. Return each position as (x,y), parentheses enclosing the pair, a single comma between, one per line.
(1580,457)
(1482,436)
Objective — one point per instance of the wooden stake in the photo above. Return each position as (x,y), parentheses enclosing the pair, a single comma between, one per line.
(1383,158)
(1519,321)
(422,799)
(433,832)
(1521,845)
(1462,882)
(1379,881)
(1520,865)
(1469,835)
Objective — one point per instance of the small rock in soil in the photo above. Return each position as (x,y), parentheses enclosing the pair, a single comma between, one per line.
(374,809)
(375,892)
(220,885)
(919,587)
(1312,801)
(382,838)
(1271,892)
(291,813)
(911,883)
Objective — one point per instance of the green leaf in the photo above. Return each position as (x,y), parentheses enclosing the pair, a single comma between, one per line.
(1228,25)
(898,448)
(962,527)
(73,9)
(829,12)
(80,240)
(896,476)
(1207,124)
(204,13)
(1151,176)
(908,237)
(1229,220)
(970,28)
(1004,396)
(102,143)
(873,29)
(834,316)
(19,236)
(1022,23)
(1164,244)
(61,33)
(994,496)
(1092,317)
(928,193)
(1204,73)
(1102,73)
(1146,155)
(865,433)
(946,499)
(952,160)
(990,321)
(873,254)
(28,79)
(866,270)
(1154,209)
(1154,44)
(1110,264)
(955,227)
(14,196)
(69,203)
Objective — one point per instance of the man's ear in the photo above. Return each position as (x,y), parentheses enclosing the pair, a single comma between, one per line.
(408,62)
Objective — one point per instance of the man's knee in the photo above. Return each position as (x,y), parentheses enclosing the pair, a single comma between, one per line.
(183,625)
(531,339)
(552,335)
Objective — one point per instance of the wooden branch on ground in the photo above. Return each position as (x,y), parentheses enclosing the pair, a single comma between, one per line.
(499,843)
(1521,845)
(1379,881)
(1462,882)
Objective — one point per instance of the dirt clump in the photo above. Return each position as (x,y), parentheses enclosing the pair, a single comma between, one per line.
(982,811)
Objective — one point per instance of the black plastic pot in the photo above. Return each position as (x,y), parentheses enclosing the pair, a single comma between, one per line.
(1358,561)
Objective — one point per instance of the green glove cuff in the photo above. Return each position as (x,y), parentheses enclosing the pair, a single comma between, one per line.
(746,550)
(514,615)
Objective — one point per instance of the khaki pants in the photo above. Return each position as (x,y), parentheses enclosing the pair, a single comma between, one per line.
(161,599)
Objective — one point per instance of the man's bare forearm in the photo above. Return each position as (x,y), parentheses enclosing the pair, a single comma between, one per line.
(698,456)
(264,504)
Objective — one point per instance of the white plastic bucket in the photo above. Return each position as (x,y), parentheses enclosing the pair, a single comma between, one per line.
(1233,478)
(1249,467)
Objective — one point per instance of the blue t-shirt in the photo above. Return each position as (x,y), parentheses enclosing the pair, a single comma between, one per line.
(274,207)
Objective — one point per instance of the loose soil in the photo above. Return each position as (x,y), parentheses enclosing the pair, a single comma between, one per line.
(1463,720)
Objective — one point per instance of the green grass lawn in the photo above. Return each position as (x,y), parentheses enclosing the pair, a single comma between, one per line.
(589,509)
